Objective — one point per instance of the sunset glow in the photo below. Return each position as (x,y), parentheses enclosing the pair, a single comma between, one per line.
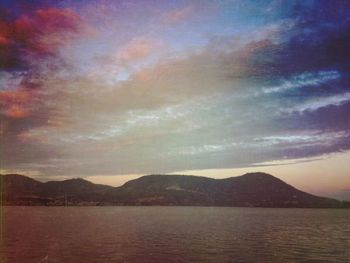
(112,90)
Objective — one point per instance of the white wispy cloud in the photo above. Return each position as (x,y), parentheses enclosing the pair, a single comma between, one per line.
(317,103)
(304,139)
(303,80)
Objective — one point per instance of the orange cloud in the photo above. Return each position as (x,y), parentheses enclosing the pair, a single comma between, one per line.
(179,15)
(15,104)
(16,112)
(138,49)
(4,41)
(4,34)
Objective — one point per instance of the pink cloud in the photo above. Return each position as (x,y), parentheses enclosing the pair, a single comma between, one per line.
(39,34)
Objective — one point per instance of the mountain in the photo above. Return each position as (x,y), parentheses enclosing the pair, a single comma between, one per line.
(252,189)
(21,190)
(15,187)
(249,190)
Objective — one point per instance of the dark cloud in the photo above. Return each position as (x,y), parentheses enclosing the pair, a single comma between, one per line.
(26,43)
(31,34)
(317,40)
(39,33)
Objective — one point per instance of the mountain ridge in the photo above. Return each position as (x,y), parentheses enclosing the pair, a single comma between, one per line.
(248,190)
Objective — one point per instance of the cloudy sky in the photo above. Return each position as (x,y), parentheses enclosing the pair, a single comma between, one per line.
(110,90)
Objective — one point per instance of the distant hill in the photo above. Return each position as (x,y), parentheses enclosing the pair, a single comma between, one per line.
(249,190)
(21,190)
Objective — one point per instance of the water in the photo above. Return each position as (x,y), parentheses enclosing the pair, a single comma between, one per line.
(174,234)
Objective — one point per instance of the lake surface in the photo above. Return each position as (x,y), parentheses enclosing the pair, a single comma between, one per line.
(174,234)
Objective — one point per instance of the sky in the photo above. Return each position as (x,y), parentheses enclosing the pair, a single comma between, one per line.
(112,90)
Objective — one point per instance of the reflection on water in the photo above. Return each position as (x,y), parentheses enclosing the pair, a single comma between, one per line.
(175,234)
